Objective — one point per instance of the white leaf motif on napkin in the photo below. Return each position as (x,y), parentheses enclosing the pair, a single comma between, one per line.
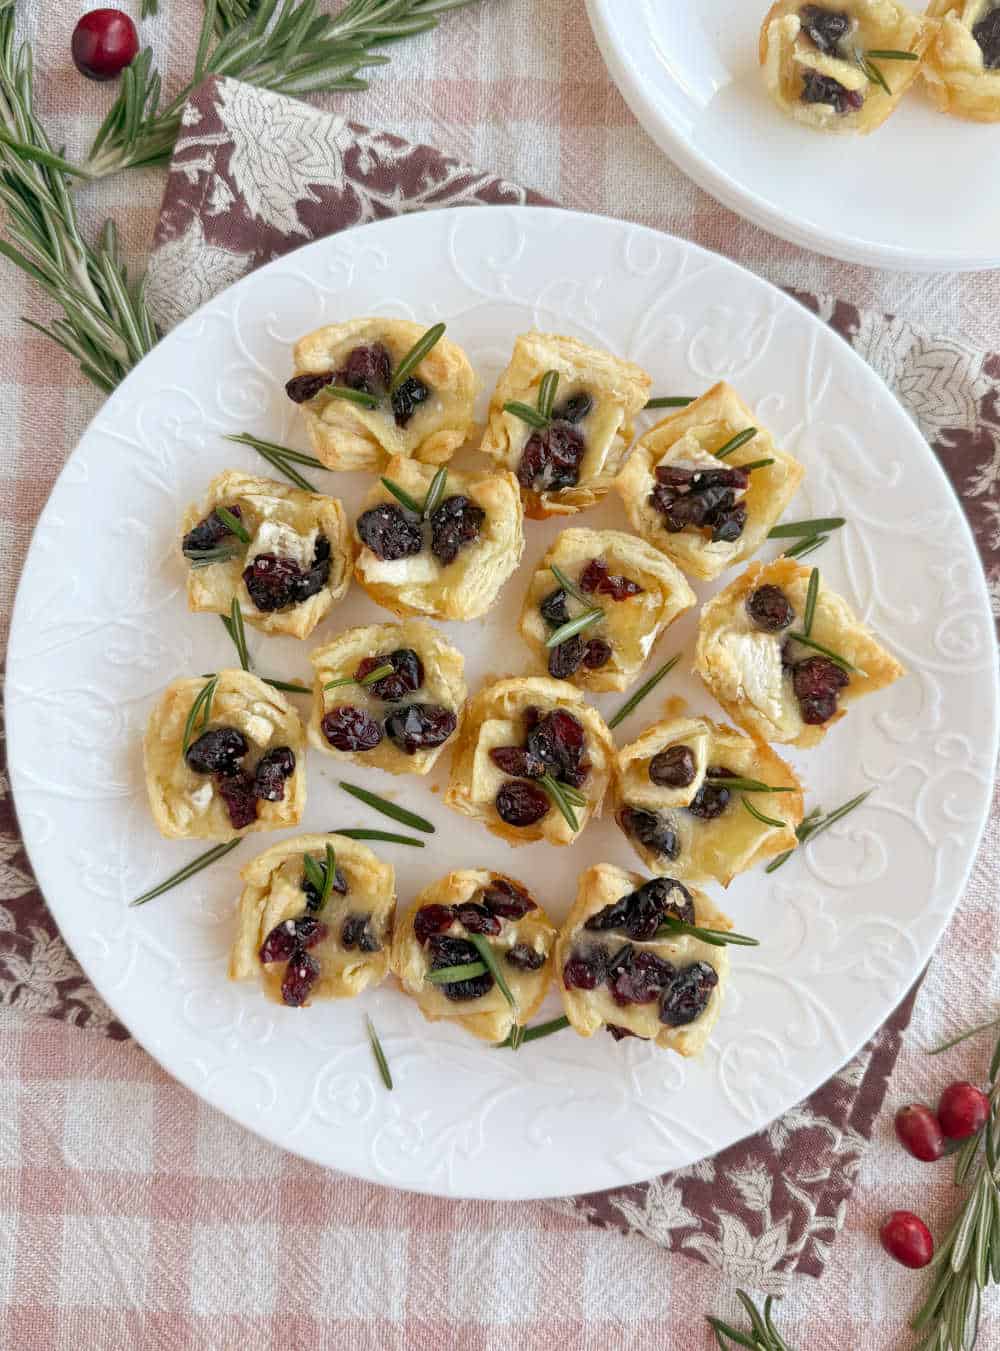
(13,882)
(186,271)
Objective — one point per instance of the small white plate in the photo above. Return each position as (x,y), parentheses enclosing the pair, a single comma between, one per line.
(101,625)
(917,195)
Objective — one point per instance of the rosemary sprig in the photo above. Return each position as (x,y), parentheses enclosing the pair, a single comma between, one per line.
(558,796)
(764,1336)
(547,394)
(734,443)
(386,836)
(279,457)
(891,54)
(814,824)
(533,1033)
(435,492)
(447,975)
(574,626)
(671,401)
(288,686)
(402,496)
(640,694)
(195,866)
(569,586)
(233,524)
(200,707)
(482,946)
(812,594)
(378,1053)
(379,673)
(526,413)
(358,396)
(835,657)
(806,546)
(380,804)
(717,938)
(794,529)
(964,1036)
(236,631)
(430,339)
(758,815)
(872,72)
(321,878)
(741,785)
(204,558)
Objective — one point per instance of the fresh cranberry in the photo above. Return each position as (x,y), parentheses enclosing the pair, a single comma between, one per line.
(302,388)
(408,398)
(432,919)
(818,88)
(675,767)
(586,970)
(574,409)
(770,609)
(559,741)
(420,725)
(505,898)
(454,524)
(816,682)
(597,653)
(407,677)
(905,1237)
(447,951)
(210,531)
(521,804)
(301,975)
(651,831)
(711,799)
(477,919)
(290,935)
(367,368)
(687,995)
(826,27)
(517,762)
(104,43)
(639,913)
(389,533)
(640,979)
(551,459)
(596,578)
(566,659)
(523,958)
(273,768)
(919,1132)
(553,609)
(272,581)
(218,751)
(355,932)
(987,34)
(238,792)
(351,729)
(962,1110)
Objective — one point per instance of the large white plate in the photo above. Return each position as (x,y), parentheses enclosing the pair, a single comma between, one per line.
(101,626)
(915,195)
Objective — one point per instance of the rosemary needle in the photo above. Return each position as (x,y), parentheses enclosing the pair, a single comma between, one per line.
(435,492)
(402,496)
(533,1033)
(378,1053)
(482,946)
(233,524)
(276,456)
(640,694)
(557,795)
(734,442)
(526,413)
(415,355)
(573,626)
(202,705)
(835,657)
(195,866)
(547,394)
(806,546)
(795,529)
(406,818)
(812,594)
(758,815)
(673,401)
(386,836)
(449,975)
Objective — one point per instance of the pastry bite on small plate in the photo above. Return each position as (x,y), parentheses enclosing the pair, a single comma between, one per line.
(532,761)
(388,695)
(448,557)
(224,756)
(684,799)
(777,681)
(705,485)
(961,70)
(622,967)
(308,933)
(631,588)
(365,400)
(284,554)
(841,66)
(561,420)
(435,939)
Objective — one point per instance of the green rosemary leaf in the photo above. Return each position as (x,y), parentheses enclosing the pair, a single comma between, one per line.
(275,456)
(282,452)
(406,818)
(812,594)
(148,8)
(378,1053)
(806,546)
(722,1329)
(835,657)
(535,1033)
(559,799)
(238,634)
(447,975)
(547,394)
(204,558)
(386,836)
(964,1036)
(314,873)
(515,1037)
(415,355)
(288,686)
(379,673)
(672,401)
(435,492)
(756,1322)
(201,706)
(756,464)
(718,938)
(189,870)
(794,529)
(630,704)
(994,1072)
(570,587)
(329,874)
(815,823)
(873,73)
(734,442)
(888,54)
(358,396)
(402,496)
(741,785)
(526,413)
(482,946)
(233,524)
(573,795)
(573,627)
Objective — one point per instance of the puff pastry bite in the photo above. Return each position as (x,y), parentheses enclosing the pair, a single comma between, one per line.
(224,755)
(435,936)
(829,66)
(452,560)
(770,683)
(673,804)
(513,733)
(637,591)
(285,554)
(616,972)
(426,415)
(962,68)
(565,458)
(703,512)
(305,937)
(399,722)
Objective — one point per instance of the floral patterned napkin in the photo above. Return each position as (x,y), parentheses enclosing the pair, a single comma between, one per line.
(255,175)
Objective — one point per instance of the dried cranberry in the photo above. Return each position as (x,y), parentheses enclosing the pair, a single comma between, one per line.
(963,1109)
(551,459)
(675,767)
(272,582)
(312,895)
(919,1132)
(905,1237)
(596,654)
(455,523)
(620,1033)
(728,524)
(595,577)
(407,677)
(355,932)
(273,768)
(447,951)
(238,793)
(640,979)
(687,995)
(817,681)
(566,659)
(389,533)
(518,762)
(711,799)
(521,804)
(367,368)
(318,574)
(532,716)
(208,532)
(505,898)
(818,88)
(302,388)
(351,729)
(826,27)
(420,725)
(218,751)
(289,935)
(477,919)
(553,609)
(700,480)
(639,913)
(523,958)
(987,34)
(559,742)
(408,398)
(301,975)
(574,409)
(586,970)
(770,609)
(651,830)
(701,497)
(432,919)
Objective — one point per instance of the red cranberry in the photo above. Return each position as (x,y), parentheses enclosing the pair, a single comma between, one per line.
(905,1237)
(476,919)
(407,677)
(640,912)
(290,935)
(818,88)
(517,762)
(104,43)
(595,577)
(367,368)
(553,609)
(817,681)
(551,458)
(574,409)
(963,1110)
(521,804)
(675,767)
(640,979)
(389,533)
(505,898)
(770,609)
(351,729)
(686,997)
(218,751)
(826,27)
(987,34)
(447,951)
(454,524)
(420,725)
(586,970)
(432,919)
(566,659)
(302,388)
(596,654)
(558,740)
(919,1132)
(651,830)
(301,975)
(355,932)
(209,532)
(273,768)
(408,398)
(523,958)
(238,792)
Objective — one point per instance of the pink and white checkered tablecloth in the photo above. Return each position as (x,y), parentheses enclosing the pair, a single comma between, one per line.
(131,1214)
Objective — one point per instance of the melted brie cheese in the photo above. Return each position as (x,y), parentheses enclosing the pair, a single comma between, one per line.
(274,537)
(488,778)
